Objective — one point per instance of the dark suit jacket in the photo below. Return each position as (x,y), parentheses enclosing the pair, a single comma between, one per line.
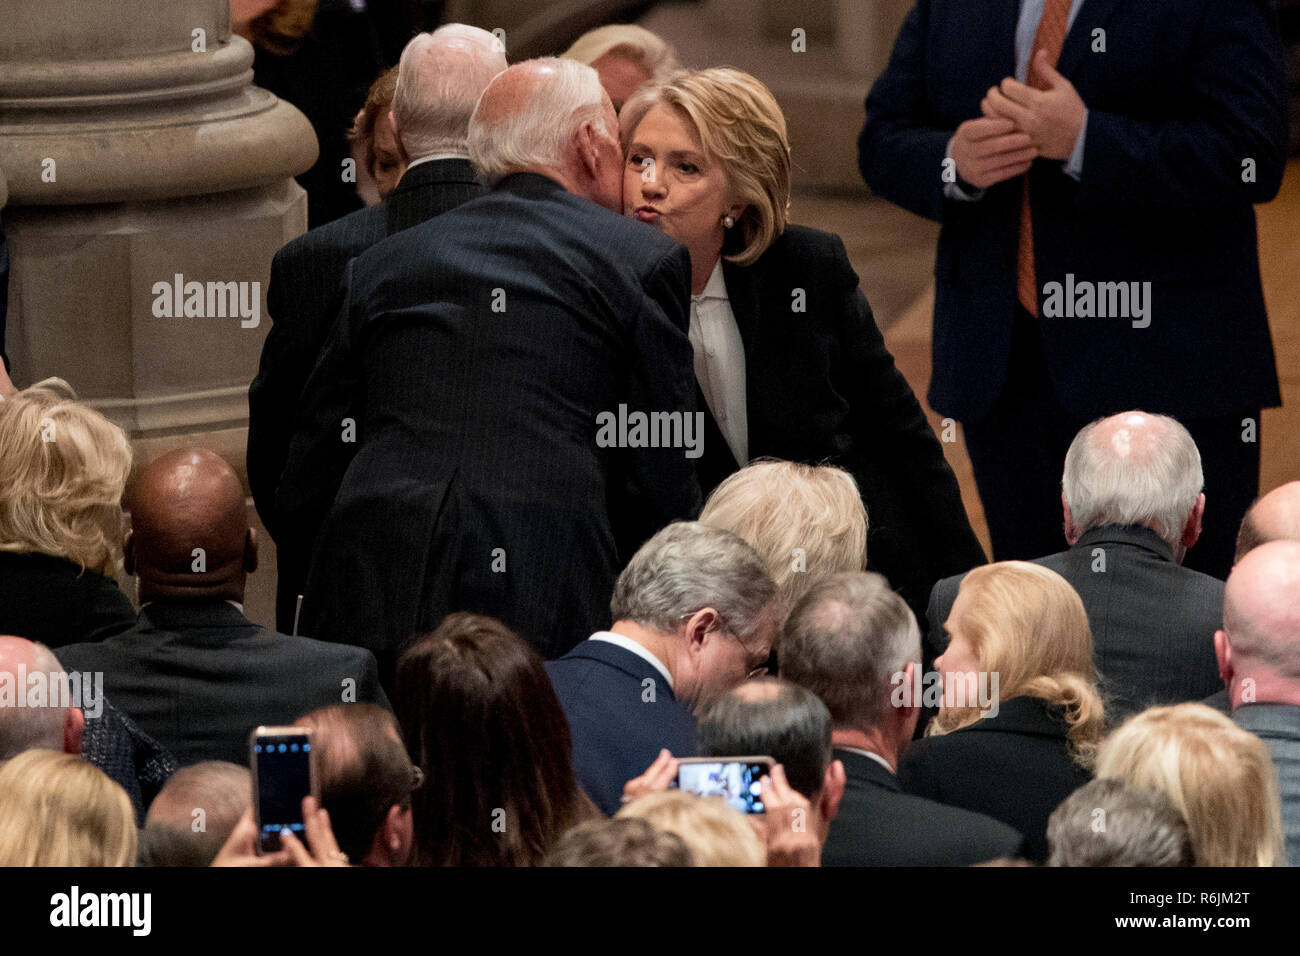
(621,713)
(821,388)
(1278,725)
(487,343)
(197,677)
(53,601)
(1014,767)
(879,825)
(303,299)
(1153,621)
(1184,94)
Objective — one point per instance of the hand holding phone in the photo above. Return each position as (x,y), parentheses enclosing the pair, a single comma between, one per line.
(738,780)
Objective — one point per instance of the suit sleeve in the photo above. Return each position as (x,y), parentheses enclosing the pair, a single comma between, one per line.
(901,150)
(1237,81)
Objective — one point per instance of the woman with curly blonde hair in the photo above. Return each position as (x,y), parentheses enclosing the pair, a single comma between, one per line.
(1020,716)
(63,469)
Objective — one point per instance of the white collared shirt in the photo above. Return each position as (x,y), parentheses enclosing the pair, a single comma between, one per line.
(430,158)
(639,650)
(867,753)
(720,362)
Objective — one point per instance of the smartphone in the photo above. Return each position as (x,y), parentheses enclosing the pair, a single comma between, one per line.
(284,771)
(738,780)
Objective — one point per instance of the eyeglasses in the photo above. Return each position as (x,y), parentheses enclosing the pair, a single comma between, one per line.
(759,671)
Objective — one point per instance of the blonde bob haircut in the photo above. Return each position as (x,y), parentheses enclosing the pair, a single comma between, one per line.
(740,127)
(1026,624)
(60,810)
(716,834)
(806,522)
(63,468)
(627,41)
(1219,776)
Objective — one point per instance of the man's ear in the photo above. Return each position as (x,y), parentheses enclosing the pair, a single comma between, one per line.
(128,553)
(587,142)
(1223,654)
(74,723)
(250,551)
(698,625)
(832,790)
(1072,534)
(1192,530)
(396,836)
(908,715)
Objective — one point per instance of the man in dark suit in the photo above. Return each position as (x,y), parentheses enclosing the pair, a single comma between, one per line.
(1133,508)
(440,79)
(1094,164)
(694,614)
(194,673)
(1258,651)
(494,346)
(854,642)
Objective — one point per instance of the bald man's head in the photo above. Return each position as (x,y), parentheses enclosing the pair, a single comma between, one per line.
(190,538)
(1261,616)
(46,724)
(1274,517)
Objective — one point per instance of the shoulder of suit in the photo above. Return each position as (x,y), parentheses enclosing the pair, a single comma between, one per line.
(808,251)
(351,234)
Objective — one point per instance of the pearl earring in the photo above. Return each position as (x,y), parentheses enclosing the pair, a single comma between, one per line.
(728,222)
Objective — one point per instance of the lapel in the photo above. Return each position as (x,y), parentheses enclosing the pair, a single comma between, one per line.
(1001,22)
(744,296)
(1093,14)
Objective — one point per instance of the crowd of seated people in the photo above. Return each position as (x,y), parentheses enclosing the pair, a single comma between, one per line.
(503,654)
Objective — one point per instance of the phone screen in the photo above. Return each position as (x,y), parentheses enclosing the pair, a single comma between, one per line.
(283,772)
(736,781)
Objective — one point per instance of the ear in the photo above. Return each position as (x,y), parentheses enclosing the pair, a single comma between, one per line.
(832,790)
(74,722)
(697,627)
(1192,531)
(909,714)
(128,553)
(250,551)
(587,143)
(1223,654)
(397,133)
(399,834)
(1072,534)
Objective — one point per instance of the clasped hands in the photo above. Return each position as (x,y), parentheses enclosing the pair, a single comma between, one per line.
(1020,124)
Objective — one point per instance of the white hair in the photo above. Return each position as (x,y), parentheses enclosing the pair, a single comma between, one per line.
(439,79)
(535,132)
(35,727)
(636,44)
(1147,473)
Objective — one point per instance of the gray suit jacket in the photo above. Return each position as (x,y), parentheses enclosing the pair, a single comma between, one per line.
(1153,621)
(1278,725)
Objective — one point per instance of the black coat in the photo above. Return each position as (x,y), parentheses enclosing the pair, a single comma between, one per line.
(54,602)
(197,677)
(1184,94)
(484,346)
(303,300)
(821,388)
(1014,767)
(1153,621)
(879,825)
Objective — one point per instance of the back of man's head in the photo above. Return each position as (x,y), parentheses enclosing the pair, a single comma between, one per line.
(26,723)
(544,116)
(194,813)
(846,641)
(774,718)
(627,841)
(1274,517)
(1133,469)
(439,81)
(1106,823)
(190,538)
(1261,618)
(366,779)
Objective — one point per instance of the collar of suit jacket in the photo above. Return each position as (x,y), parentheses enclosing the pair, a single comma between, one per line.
(1022,715)
(860,768)
(436,171)
(1135,535)
(529,185)
(620,658)
(1269,720)
(217,613)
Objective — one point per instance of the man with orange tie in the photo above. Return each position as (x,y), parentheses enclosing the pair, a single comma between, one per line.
(1094,164)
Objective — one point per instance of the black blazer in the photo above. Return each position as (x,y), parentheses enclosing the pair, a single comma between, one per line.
(303,300)
(486,343)
(621,713)
(1153,621)
(879,825)
(821,388)
(53,601)
(1185,92)
(197,677)
(1014,767)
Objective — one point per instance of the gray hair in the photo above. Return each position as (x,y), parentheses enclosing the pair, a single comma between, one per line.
(774,718)
(637,44)
(223,791)
(688,566)
(1107,823)
(439,80)
(846,640)
(534,133)
(1147,473)
(35,728)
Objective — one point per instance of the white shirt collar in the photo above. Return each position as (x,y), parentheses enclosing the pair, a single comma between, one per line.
(639,650)
(867,753)
(716,287)
(428,159)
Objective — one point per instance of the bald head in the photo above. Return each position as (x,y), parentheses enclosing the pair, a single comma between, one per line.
(190,538)
(552,117)
(46,726)
(1261,616)
(1274,517)
(1134,469)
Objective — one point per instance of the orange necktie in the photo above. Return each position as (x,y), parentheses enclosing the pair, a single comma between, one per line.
(1050,37)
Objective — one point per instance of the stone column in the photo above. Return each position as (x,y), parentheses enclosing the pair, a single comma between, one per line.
(138,151)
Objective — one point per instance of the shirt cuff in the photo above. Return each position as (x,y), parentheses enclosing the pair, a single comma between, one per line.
(953,190)
(1074,165)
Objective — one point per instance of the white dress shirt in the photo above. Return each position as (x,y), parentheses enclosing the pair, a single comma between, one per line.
(720,362)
